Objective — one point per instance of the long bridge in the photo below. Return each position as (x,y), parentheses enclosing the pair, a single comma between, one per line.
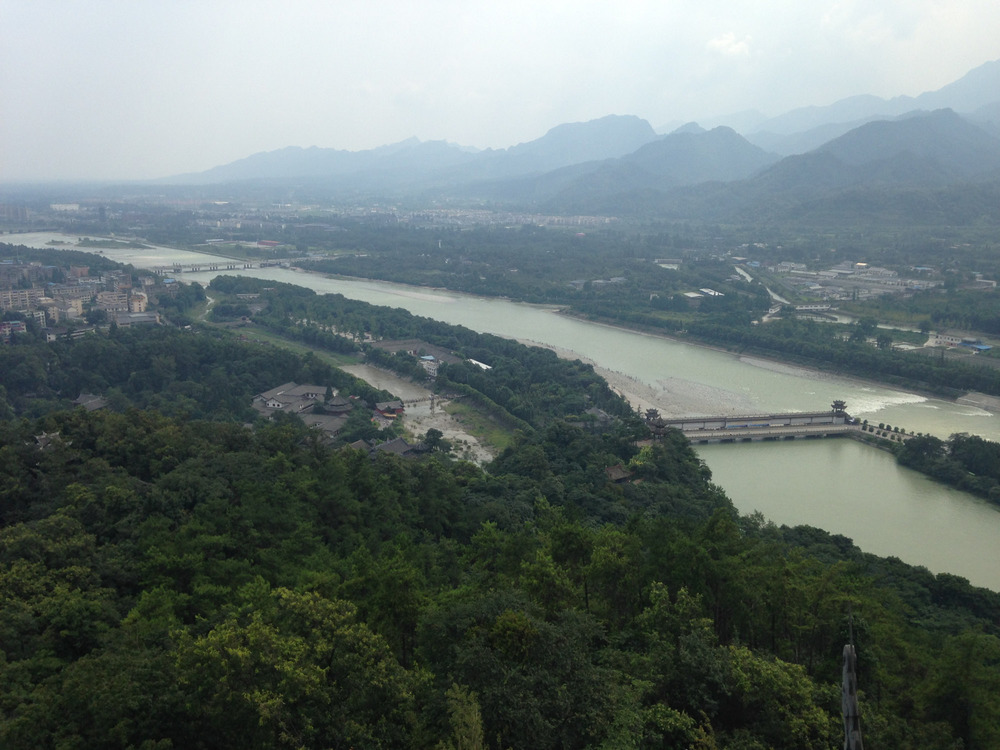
(221,263)
(743,429)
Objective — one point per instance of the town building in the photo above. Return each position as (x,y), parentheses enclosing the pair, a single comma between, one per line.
(308,402)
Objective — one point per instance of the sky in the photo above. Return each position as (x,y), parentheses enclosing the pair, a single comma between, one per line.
(130,89)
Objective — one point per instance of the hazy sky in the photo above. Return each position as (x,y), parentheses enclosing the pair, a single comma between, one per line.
(112,89)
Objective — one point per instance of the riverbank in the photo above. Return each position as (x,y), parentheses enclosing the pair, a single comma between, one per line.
(674,397)
(981,401)
(837,485)
(643,396)
(690,396)
(666,387)
(764,355)
(638,394)
(651,369)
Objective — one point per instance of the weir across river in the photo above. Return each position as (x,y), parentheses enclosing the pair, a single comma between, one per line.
(223,264)
(741,429)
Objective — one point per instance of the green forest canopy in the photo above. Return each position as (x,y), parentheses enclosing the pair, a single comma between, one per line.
(171,577)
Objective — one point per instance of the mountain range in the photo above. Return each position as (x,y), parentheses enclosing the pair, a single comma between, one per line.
(859,149)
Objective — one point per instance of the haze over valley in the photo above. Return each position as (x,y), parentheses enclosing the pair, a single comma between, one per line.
(934,158)
(454,375)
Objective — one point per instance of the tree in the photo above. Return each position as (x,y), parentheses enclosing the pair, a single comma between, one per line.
(963,688)
(434,439)
(291,670)
(863,329)
(466,720)
(539,682)
(96,316)
(777,702)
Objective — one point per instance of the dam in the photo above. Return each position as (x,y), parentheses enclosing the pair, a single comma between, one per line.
(741,429)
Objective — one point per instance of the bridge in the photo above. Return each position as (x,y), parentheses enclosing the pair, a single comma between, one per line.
(743,429)
(217,263)
(751,434)
(224,264)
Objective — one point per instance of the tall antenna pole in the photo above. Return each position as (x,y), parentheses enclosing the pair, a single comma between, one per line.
(849,695)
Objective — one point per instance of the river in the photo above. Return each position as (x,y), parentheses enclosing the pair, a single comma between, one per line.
(839,485)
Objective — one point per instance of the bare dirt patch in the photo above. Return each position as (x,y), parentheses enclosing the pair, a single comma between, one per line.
(424,411)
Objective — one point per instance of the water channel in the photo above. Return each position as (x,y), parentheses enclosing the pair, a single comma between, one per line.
(839,485)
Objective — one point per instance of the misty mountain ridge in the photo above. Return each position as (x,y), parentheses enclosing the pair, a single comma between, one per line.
(412,160)
(935,151)
(572,143)
(687,156)
(573,146)
(618,164)
(805,128)
(417,157)
(963,149)
(691,127)
(922,150)
(797,131)
(977,88)
(744,122)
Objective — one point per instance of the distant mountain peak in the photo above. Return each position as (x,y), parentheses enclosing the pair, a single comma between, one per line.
(603,138)
(864,140)
(942,136)
(689,127)
(977,88)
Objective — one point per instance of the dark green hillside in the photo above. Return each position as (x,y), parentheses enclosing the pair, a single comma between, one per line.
(181,581)
(529,385)
(199,374)
(193,584)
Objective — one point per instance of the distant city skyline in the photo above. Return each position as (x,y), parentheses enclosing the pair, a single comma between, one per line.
(111,89)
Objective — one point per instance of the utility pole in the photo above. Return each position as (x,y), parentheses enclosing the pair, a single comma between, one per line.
(849,697)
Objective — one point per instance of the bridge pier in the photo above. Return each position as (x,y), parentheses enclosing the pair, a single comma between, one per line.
(761,434)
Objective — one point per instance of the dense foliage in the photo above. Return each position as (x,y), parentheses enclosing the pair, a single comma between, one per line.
(534,264)
(526,387)
(967,462)
(169,583)
(966,310)
(201,374)
(172,578)
(57,259)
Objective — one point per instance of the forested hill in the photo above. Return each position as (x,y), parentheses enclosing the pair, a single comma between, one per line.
(173,581)
(183,584)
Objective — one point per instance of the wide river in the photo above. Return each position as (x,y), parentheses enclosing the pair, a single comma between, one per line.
(838,485)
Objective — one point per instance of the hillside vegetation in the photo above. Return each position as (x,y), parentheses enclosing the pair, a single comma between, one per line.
(185,580)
